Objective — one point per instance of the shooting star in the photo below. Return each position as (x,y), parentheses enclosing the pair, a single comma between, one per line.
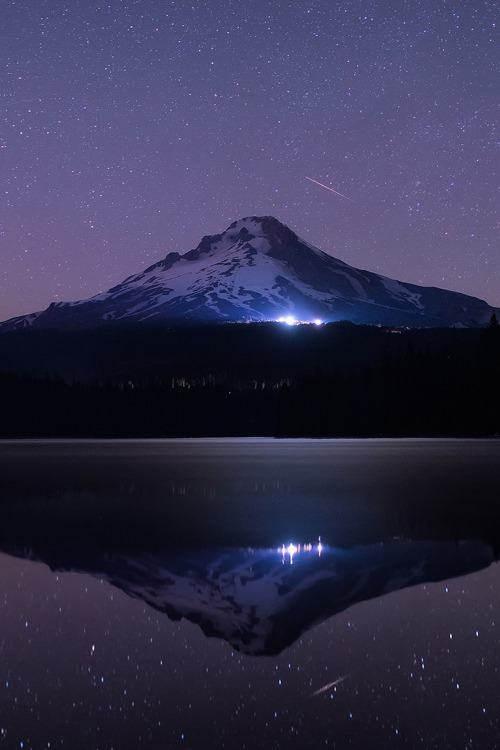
(330,685)
(330,189)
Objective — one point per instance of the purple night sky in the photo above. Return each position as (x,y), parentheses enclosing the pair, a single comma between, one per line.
(131,128)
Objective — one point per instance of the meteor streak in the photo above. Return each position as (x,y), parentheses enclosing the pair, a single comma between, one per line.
(330,189)
(330,685)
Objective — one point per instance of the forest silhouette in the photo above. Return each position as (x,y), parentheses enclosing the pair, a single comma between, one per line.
(248,380)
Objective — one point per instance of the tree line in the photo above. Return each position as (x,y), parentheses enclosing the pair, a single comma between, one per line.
(451,389)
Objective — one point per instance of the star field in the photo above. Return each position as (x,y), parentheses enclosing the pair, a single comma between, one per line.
(85,665)
(130,129)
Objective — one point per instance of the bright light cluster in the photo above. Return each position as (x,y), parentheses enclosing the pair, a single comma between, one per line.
(291,321)
(289,551)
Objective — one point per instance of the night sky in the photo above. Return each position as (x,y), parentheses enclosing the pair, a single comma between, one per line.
(130,129)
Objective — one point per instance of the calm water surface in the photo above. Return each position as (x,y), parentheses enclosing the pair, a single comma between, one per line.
(150,598)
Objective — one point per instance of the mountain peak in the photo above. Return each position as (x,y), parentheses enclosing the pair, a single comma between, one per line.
(263,226)
(259,269)
(278,236)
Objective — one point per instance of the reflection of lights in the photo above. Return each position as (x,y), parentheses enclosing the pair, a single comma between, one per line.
(289,551)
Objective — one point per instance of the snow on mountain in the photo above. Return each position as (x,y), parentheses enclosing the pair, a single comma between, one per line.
(261,601)
(259,269)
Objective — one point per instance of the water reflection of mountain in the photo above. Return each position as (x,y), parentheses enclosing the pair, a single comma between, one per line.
(261,601)
(133,512)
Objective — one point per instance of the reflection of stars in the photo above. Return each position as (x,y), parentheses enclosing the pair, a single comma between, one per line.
(333,684)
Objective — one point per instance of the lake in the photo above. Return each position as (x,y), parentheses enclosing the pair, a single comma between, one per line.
(249,593)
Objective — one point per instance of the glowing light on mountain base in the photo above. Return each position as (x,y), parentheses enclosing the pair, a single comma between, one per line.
(289,320)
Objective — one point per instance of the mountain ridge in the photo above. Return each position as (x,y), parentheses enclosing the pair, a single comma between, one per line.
(259,269)
(255,599)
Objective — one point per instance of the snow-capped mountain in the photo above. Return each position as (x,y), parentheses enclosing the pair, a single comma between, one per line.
(262,601)
(259,269)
